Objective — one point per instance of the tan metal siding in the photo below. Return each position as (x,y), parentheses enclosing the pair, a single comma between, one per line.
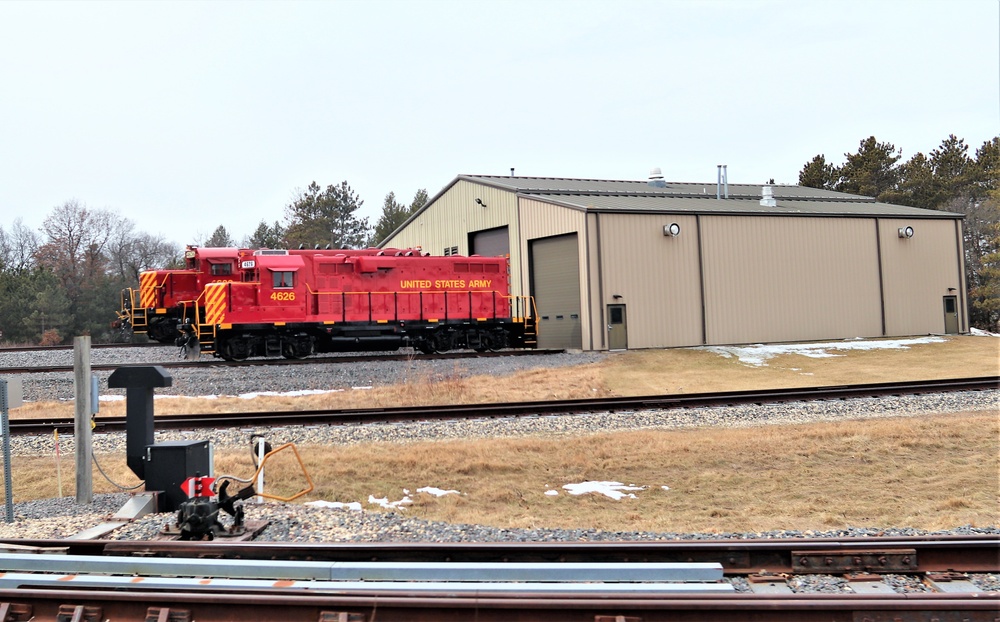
(917,273)
(448,221)
(656,276)
(772,279)
(542,220)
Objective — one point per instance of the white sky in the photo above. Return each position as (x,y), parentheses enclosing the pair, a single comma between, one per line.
(186,115)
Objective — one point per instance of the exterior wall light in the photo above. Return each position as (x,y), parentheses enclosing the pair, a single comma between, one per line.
(480,202)
(906,232)
(672,230)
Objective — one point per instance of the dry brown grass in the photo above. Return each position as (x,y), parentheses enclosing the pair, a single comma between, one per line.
(929,472)
(924,472)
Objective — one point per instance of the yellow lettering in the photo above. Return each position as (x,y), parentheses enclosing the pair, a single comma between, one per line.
(414,284)
(480,283)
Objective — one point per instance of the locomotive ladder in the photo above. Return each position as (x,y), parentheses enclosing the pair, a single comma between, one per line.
(134,315)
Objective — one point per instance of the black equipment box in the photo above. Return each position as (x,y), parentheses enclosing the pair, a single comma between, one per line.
(168,464)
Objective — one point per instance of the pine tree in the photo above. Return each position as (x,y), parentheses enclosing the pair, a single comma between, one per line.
(321,217)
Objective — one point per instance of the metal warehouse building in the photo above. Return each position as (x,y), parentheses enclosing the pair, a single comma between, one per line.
(637,264)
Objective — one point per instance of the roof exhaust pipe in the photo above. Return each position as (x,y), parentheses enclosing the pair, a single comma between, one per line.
(722,182)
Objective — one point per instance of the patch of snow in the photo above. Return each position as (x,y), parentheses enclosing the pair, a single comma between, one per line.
(390,505)
(552,493)
(437,492)
(757,355)
(981,333)
(615,490)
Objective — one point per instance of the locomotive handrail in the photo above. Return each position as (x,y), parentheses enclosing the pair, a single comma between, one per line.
(395,299)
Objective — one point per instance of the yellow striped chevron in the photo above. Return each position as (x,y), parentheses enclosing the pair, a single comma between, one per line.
(215,302)
(147,289)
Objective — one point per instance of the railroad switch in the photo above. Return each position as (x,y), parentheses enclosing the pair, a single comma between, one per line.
(198,518)
(840,561)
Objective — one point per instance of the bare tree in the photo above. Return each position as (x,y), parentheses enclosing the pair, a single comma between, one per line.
(18,248)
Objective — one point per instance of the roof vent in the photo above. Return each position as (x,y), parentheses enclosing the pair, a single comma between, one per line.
(656,178)
(723,182)
(767,197)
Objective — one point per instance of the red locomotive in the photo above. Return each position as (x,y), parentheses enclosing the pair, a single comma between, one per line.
(294,303)
(164,296)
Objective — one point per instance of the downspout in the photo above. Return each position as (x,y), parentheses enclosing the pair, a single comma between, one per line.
(590,300)
(881,283)
(701,282)
(600,281)
(963,286)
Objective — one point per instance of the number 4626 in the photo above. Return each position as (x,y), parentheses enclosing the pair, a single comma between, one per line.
(282,296)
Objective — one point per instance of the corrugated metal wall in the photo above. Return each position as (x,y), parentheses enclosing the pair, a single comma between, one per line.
(770,279)
(917,273)
(450,219)
(657,277)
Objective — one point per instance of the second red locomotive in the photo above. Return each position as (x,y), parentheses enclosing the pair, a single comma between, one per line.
(285,303)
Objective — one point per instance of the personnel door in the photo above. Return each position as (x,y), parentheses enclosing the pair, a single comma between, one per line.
(951,315)
(617,328)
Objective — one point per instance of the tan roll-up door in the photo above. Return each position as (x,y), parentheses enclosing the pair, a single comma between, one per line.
(490,243)
(555,284)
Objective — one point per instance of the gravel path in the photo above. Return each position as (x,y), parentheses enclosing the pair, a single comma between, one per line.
(57,518)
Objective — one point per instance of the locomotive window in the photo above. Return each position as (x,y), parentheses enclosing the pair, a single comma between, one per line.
(222,269)
(283,279)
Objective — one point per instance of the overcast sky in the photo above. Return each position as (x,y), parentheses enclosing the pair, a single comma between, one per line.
(184,116)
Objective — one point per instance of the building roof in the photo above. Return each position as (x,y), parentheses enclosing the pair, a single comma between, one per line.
(640,197)
(748,206)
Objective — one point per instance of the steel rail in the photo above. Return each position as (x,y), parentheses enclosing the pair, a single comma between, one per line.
(93,346)
(325,360)
(738,557)
(517,409)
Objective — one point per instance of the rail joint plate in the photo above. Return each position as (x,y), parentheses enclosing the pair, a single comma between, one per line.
(840,561)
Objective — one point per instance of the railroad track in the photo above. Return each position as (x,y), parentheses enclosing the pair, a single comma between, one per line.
(93,346)
(312,360)
(605,582)
(518,409)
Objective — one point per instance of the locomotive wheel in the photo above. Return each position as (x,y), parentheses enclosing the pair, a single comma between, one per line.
(292,349)
(498,341)
(427,347)
(235,350)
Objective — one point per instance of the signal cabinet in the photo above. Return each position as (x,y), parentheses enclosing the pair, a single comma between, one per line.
(169,463)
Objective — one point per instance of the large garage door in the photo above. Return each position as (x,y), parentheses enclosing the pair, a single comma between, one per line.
(490,243)
(555,283)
